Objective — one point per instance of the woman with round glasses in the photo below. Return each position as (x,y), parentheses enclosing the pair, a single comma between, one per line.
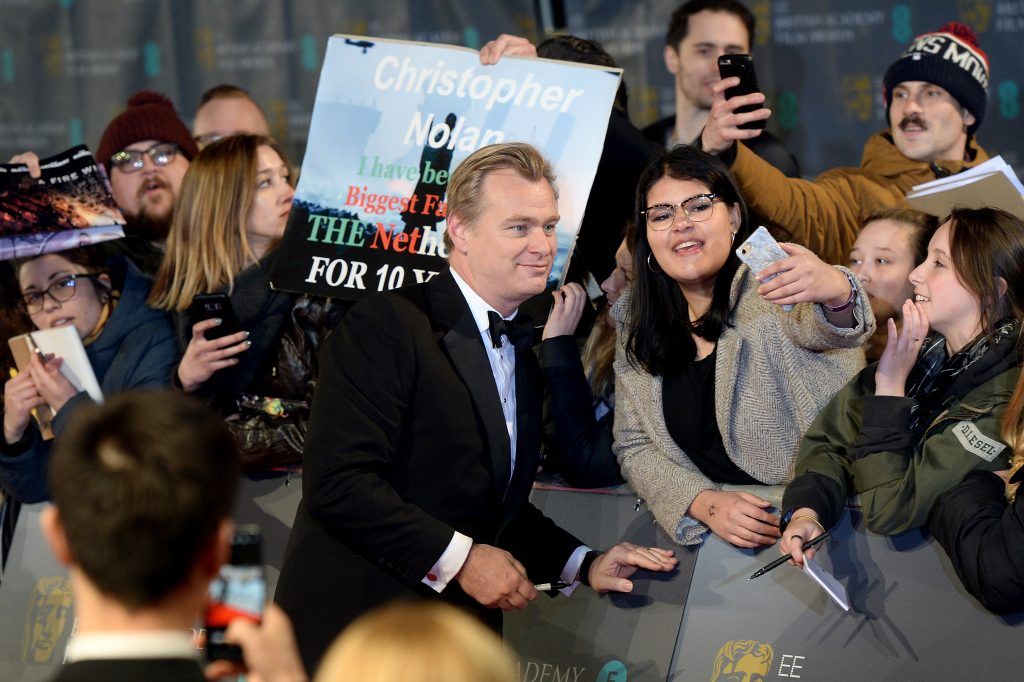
(231,215)
(129,345)
(715,381)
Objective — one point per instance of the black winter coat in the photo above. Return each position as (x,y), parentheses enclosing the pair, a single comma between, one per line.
(266,396)
(984,538)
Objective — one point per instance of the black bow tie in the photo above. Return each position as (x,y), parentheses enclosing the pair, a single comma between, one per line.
(519,330)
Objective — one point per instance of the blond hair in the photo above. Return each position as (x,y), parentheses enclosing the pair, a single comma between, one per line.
(417,642)
(208,243)
(1013,434)
(465,187)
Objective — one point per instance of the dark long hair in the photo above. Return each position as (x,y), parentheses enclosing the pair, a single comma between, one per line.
(658,325)
(987,245)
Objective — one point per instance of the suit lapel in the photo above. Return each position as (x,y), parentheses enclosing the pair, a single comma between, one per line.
(465,348)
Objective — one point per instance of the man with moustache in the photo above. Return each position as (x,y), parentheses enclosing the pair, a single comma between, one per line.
(699,32)
(935,100)
(425,430)
(146,150)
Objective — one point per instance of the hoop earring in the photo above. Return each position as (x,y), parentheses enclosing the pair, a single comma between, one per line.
(650,266)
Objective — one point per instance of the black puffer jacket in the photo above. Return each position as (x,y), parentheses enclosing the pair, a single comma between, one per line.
(984,538)
(266,396)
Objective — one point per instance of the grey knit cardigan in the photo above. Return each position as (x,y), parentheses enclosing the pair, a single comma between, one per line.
(774,372)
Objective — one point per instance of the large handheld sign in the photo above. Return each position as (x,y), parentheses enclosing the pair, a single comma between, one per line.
(390,122)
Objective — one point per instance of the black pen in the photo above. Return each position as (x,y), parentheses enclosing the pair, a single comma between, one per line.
(783,559)
(551,587)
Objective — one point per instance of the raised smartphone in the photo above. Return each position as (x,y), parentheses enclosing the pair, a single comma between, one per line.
(209,306)
(761,250)
(239,591)
(742,67)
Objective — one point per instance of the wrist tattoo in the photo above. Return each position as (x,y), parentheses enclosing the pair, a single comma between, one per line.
(711,510)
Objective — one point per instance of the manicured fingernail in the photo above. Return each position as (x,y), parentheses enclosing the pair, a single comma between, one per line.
(246,334)
(248,344)
(217,321)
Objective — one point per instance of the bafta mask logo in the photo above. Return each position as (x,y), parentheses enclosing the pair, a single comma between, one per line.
(47,616)
(743,660)
(762,11)
(858,100)
(53,54)
(205,50)
(975,13)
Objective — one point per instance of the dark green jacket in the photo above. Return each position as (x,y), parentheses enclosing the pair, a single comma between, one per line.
(862,444)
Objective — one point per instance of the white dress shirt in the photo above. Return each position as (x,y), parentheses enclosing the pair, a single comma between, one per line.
(142,644)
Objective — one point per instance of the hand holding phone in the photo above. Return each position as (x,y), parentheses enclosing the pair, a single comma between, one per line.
(742,66)
(239,591)
(214,306)
(759,251)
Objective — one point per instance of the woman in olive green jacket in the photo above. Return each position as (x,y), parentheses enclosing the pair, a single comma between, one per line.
(911,426)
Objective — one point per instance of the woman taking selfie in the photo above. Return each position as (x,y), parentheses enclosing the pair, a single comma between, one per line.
(231,214)
(912,425)
(128,344)
(715,381)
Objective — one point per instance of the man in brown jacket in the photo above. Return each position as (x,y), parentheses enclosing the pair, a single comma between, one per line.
(935,97)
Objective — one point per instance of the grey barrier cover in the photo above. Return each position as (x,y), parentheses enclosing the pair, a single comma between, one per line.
(36,614)
(609,638)
(909,617)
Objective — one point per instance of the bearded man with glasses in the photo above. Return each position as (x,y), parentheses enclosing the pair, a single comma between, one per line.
(146,151)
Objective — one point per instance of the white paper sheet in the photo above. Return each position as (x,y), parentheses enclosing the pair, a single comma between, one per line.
(833,587)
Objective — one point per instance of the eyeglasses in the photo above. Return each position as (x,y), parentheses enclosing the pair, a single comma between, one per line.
(131,160)
(61,291)
(697,208)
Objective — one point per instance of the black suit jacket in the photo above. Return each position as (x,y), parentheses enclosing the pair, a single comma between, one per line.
(131,669)
(407,443)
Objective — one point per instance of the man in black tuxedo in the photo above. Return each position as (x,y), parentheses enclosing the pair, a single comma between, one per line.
(142,488)
(425,430)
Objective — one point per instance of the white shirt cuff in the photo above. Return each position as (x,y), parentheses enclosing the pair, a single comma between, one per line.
(450,563)
(571,571)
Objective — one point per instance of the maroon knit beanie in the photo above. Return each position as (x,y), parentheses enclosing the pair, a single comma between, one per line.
(148,116)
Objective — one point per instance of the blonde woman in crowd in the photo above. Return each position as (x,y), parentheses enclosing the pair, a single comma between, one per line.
(417,642)
(234,204)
